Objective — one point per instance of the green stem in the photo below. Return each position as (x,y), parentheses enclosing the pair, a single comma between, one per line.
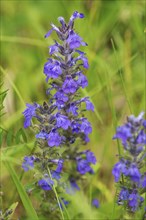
(54,189)
(113,211)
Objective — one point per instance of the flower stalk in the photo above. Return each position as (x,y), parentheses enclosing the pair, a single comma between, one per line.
(61,126)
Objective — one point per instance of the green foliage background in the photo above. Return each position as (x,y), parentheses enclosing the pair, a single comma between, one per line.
(114,31)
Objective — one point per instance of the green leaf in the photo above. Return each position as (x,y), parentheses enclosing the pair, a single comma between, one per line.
(2,97)
(9,138)
(23,195)
(20,133)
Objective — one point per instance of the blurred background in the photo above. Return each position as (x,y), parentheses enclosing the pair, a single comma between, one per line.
(114,31)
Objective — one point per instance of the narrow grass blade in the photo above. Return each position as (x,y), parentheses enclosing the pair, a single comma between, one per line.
(13,85)
(121,77)
(23,195)
(23,40)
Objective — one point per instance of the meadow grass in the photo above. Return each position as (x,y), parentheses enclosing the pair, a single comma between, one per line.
(114,31)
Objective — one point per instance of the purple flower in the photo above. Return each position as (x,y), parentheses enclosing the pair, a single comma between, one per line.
(52,69)
(54,139)
(42,135)
(84,59)
(49,33)
(53,48)
(54,28)
(61,98)
(133,173)
(29,112)
(95,203)
(28,163)
(62,121)
(85,62)
(86,138)
(80,52)
(74,40)
(73,109)
(136,120)
(90,157)
(76,15)
(62,21)
(82,80)
(69,85)
(75,126)
(119,168)
(55,175)
(123,133)
(86,126)
(83,166)
(46,183)
(124,195)
(59,166)
(141,138)
(135,200)
(89,105)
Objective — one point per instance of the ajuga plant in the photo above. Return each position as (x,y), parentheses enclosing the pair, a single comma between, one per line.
(130,172)
(60,125)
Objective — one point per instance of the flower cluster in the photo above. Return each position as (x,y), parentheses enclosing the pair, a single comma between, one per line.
(129,171)
(61,123)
